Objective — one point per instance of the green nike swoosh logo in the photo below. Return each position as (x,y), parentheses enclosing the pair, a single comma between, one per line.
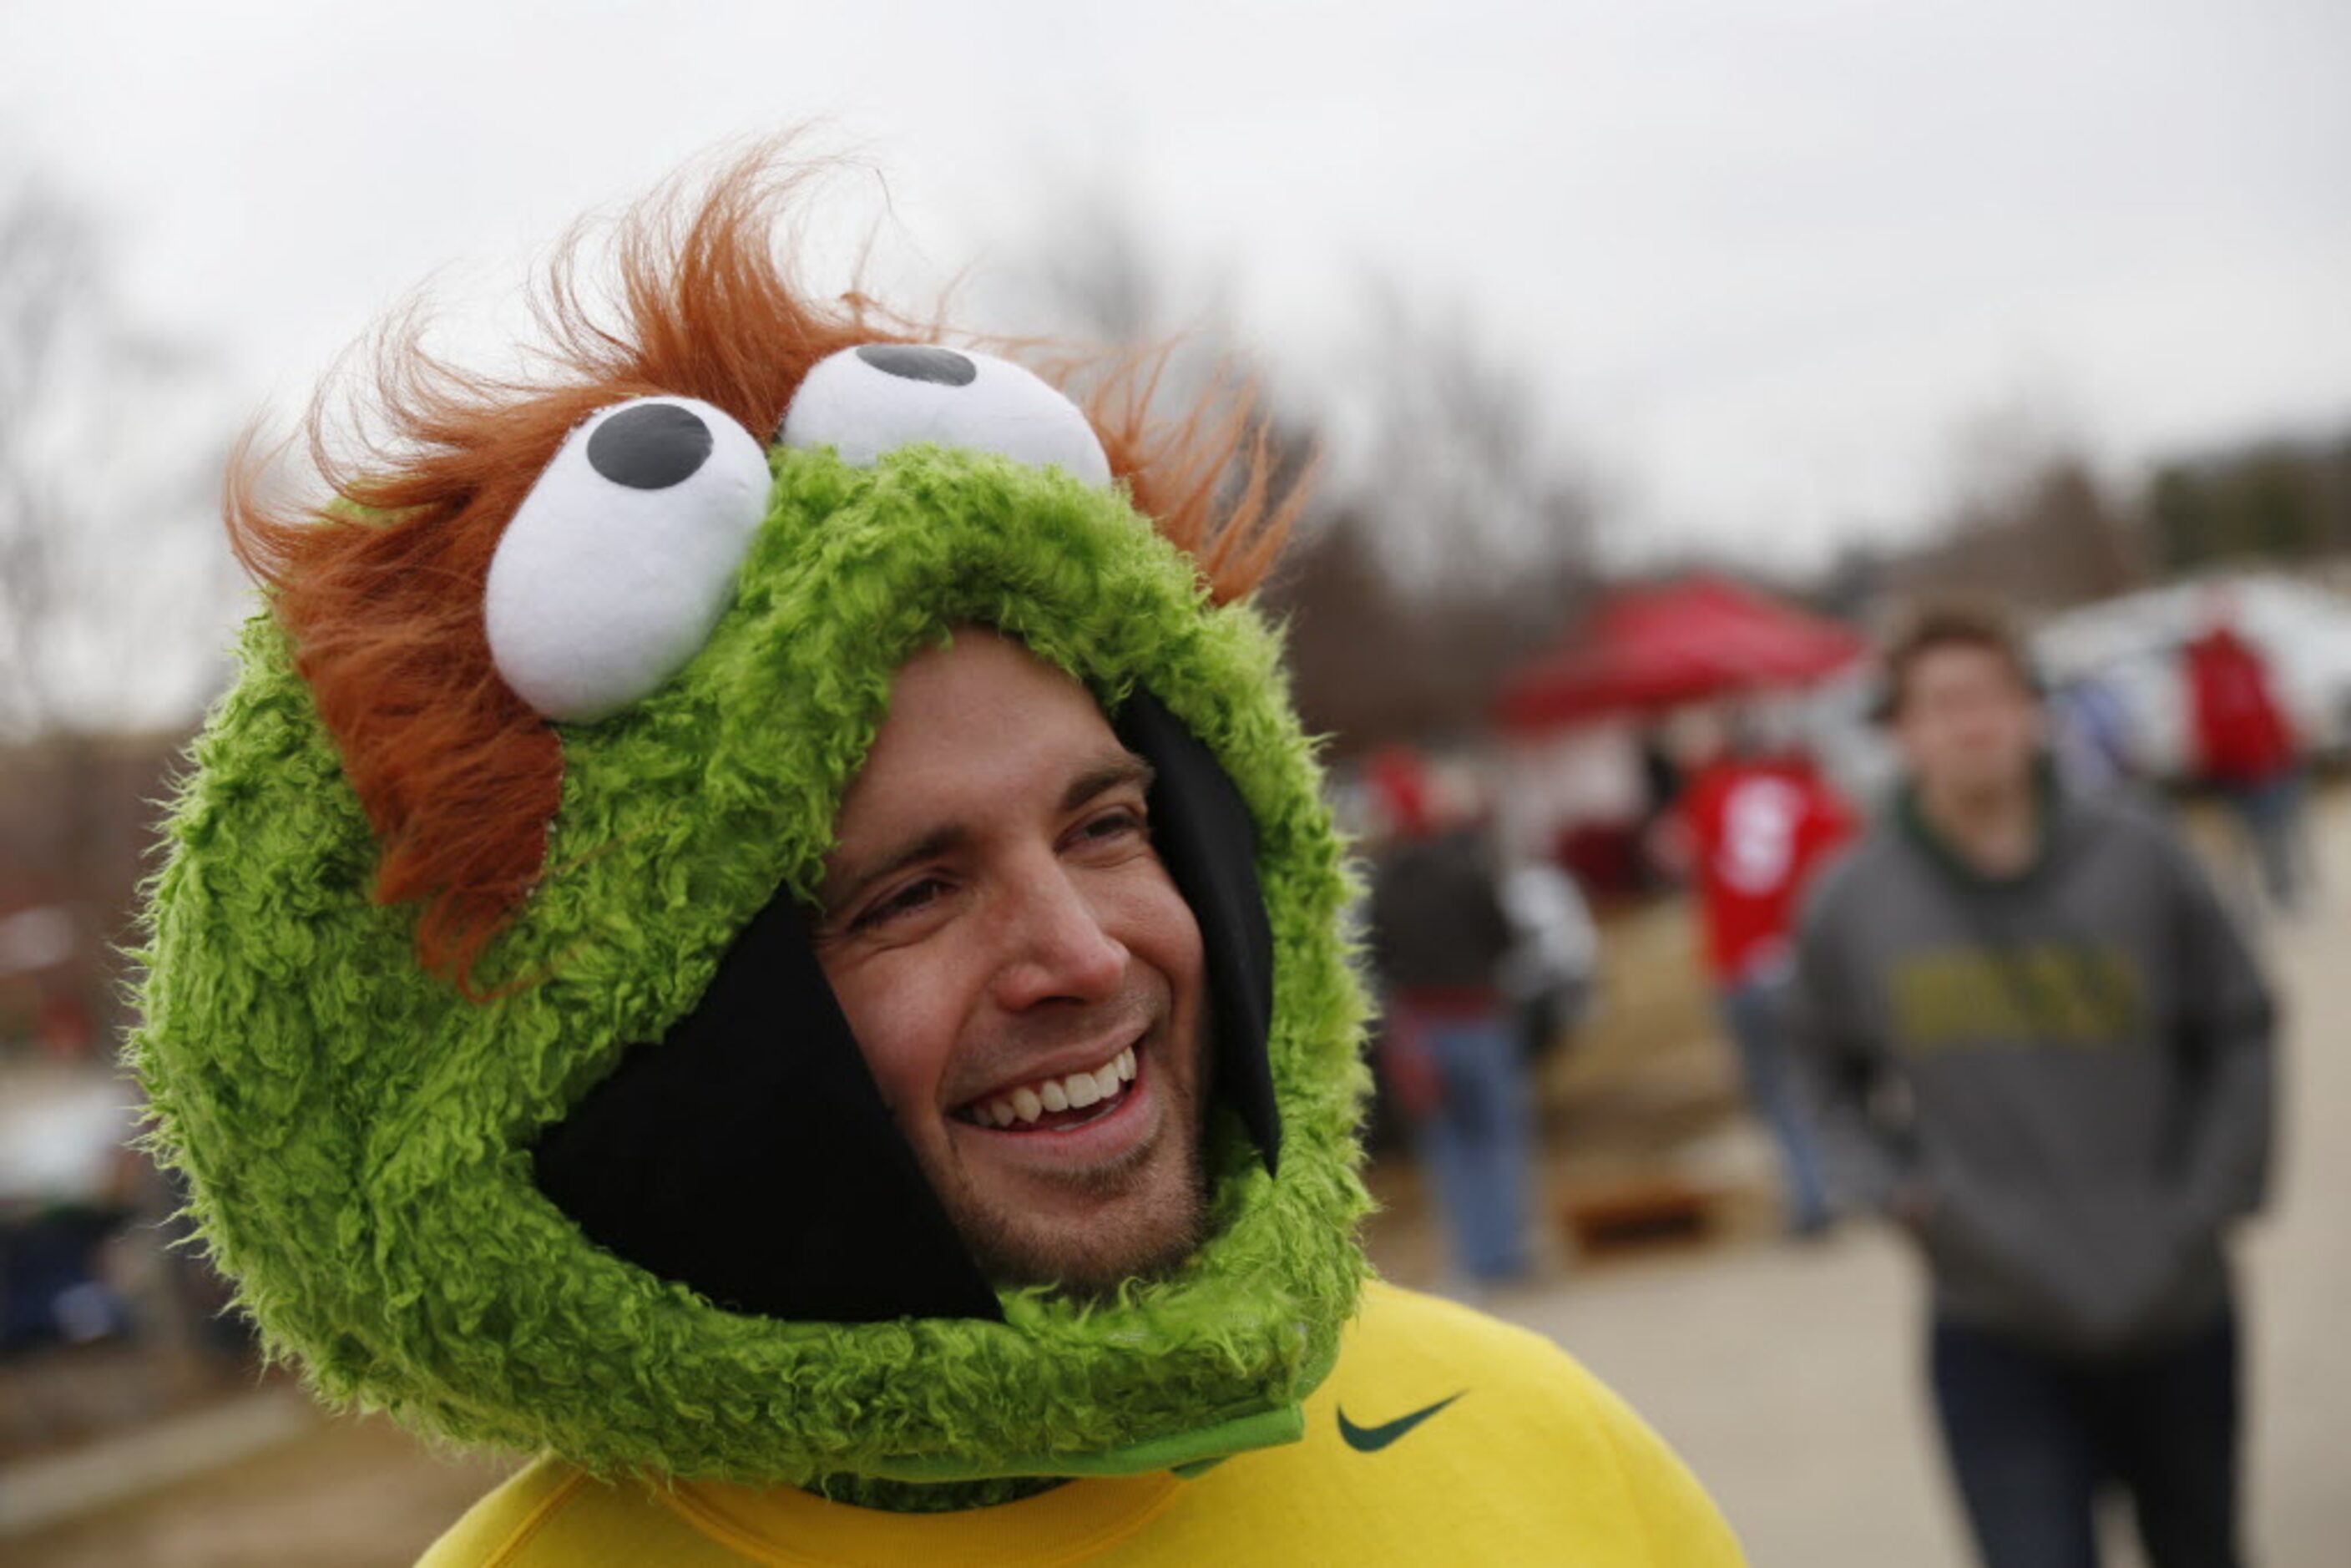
(1372,1439)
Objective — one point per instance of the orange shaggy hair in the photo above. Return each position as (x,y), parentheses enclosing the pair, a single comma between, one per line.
(380,587)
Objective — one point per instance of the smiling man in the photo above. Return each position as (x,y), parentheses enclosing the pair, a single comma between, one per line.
(1024,977)
(759,927)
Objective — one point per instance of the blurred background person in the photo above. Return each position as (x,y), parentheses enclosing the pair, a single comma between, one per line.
(1450,1044)
(2245,749)
(2043,1047)
(1755,823)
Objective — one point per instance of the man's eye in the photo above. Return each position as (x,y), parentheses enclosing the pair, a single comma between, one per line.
(914,895)
(1111,826)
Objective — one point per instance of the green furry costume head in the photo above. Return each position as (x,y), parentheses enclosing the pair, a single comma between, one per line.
(355,1123)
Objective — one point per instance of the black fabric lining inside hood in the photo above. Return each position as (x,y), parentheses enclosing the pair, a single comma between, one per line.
(750,1155)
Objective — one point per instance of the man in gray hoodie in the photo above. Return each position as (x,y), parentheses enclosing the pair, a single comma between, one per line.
(2035,1040)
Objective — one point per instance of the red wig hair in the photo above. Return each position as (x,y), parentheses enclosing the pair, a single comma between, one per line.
(381,586)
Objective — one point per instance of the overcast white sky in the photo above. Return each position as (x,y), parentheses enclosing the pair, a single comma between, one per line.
(1763,262)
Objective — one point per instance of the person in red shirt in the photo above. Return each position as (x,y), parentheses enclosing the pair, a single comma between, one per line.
(1756,825)
(2246,746)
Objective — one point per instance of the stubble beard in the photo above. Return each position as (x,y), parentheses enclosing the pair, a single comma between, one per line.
(1014,1250)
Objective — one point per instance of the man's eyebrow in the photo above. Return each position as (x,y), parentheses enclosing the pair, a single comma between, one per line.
(1111,773)
(939,841)
(1119,770)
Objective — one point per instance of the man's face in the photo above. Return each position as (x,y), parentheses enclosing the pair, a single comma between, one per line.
(1023,977)
(1967,727)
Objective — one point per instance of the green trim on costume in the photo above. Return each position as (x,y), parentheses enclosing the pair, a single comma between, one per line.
(1179,1451)
(354,1133)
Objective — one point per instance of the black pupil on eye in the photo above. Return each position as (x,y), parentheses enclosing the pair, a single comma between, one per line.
(914,363)
(651,446)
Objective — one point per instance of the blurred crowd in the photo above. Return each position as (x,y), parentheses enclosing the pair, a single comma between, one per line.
(1998,1005)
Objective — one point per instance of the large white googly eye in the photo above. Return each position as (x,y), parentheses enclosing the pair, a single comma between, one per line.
(623,557)
(866,401)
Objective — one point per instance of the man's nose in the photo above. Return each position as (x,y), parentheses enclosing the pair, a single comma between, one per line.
(1056,946)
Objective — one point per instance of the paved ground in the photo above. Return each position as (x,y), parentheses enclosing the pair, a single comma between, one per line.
(1788,1376)
(349,1494)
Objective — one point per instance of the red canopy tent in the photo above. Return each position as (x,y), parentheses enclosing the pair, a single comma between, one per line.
(1683,642)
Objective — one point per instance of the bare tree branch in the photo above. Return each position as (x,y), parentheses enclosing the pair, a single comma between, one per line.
(113,582)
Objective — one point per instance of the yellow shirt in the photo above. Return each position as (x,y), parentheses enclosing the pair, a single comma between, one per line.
(1443,1437)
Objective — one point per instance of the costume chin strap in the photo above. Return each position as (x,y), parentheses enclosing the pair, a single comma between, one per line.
(1185,1453)
(750,1155)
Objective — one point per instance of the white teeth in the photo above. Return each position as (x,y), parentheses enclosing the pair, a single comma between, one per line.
(1073,1091)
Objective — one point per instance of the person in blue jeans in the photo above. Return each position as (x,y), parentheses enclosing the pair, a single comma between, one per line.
(1474,1137)
(1452,1048)
(1754,1014)
(2035,1040)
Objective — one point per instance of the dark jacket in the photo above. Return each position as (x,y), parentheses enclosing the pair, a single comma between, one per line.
(1437,922)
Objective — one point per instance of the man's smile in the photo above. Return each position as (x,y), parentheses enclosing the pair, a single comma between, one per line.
(1066,1124)
(1053,1101)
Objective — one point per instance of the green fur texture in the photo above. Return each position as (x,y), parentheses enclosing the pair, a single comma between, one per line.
(354,1132)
